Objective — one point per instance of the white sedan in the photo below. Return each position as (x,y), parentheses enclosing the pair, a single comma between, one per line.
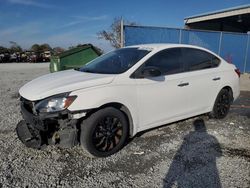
(123,92)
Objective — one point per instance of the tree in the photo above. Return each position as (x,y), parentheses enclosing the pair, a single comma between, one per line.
(58,50)
(45,47)
(40,48)
(35,48)
(113,35)
(15,47)
(3,49)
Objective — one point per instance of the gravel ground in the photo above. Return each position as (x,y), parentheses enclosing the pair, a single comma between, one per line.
(198,152)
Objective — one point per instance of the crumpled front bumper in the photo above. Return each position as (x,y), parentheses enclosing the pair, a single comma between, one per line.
(47,129)
(37,122)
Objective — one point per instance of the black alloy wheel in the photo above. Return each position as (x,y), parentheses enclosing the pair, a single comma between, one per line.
(222,104)
(107,134)
(104,132)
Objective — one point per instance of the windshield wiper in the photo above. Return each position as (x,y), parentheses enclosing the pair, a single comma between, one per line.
(87,70)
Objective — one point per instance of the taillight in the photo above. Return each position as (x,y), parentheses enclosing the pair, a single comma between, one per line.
(237,72)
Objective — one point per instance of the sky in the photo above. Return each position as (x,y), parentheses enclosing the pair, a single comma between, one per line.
(67,23)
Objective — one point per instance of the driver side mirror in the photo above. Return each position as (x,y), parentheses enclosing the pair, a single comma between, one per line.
(150,71)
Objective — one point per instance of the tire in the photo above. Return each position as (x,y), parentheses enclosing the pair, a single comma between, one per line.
(222,104)
(104,132)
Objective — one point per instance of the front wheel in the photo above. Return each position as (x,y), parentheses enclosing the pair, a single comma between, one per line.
(222,104)
(104,132)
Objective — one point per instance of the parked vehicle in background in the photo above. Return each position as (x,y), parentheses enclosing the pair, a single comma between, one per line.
(17,54)
(6,57)
(73,58)
(1,58)
(46,56)
(124,92)
(24,57)
(33,57)
(13,57)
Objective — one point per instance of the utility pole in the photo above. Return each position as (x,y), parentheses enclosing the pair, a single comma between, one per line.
(121,34)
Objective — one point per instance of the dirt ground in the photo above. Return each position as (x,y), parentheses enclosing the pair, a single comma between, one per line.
(198,152)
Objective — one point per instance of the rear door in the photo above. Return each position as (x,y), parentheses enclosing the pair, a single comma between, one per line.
(202,74)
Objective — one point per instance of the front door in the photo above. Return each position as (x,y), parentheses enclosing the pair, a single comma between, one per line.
(162,98)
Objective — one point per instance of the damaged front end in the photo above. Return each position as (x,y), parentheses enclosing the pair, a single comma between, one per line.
(47,127)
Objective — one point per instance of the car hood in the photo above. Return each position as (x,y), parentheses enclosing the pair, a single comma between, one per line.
(61,82)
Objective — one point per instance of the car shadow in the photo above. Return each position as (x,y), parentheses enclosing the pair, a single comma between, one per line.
(194,164)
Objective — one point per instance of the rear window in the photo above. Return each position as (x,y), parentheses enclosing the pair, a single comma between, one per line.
(195,59)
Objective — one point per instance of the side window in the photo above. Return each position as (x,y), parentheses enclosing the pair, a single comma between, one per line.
(168,61)
(195,59)
(215,61)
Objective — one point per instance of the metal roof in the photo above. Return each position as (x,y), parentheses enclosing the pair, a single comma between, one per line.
(243,9)
(220,11)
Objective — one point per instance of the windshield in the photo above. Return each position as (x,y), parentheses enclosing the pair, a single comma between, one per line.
(115,62)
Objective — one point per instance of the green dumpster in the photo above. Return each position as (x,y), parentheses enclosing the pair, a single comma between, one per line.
(73,58)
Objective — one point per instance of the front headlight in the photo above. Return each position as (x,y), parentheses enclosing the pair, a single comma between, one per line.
(55,103)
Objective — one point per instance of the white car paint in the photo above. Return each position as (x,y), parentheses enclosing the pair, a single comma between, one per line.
(61,82)
(151,101)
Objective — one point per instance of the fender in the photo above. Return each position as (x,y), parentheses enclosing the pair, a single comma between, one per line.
(93,98)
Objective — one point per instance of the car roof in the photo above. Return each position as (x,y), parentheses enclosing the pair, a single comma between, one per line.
(159,46)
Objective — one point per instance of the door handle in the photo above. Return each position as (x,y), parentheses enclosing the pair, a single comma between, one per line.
(216,78)
(183,84)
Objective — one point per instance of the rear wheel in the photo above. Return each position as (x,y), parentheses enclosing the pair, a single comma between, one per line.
(222,104)
(104,132)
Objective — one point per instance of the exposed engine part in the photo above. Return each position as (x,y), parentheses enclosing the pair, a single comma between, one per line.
(55,138)
(30,137)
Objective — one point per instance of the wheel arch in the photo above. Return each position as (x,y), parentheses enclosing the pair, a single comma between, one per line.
(230,90)
(122,108)
(214,111)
